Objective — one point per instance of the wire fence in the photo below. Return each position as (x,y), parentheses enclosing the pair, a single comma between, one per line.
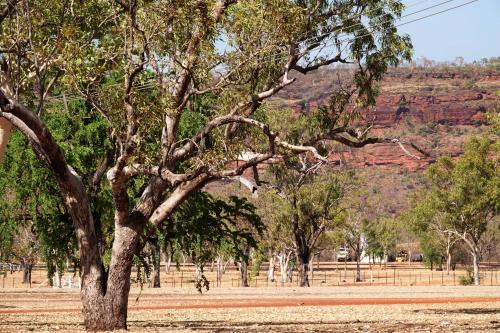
(390,276)
(325,274)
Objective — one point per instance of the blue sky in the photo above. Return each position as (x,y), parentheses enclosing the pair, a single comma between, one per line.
(472,31)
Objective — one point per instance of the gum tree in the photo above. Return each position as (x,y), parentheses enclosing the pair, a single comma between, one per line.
(145,67)
(463,197)
(307,205)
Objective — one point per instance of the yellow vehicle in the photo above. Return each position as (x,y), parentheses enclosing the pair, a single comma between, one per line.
(402,256)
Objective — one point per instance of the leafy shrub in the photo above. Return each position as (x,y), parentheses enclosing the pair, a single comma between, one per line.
(428,129)
(468,278)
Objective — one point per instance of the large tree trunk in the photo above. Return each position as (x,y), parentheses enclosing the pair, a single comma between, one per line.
(105,304)
(303,258)
(27,273)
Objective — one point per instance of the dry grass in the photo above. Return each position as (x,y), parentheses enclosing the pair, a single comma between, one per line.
(448,317)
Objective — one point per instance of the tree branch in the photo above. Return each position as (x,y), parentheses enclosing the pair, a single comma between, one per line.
(8,9)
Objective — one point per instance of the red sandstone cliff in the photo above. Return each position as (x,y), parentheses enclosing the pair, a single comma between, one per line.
(436,110)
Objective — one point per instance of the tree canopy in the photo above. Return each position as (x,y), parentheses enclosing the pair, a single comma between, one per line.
(462,198)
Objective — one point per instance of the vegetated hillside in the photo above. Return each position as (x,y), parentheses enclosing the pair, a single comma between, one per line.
(437,109)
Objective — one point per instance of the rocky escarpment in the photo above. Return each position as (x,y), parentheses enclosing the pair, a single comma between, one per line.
(466,107)
(436,110)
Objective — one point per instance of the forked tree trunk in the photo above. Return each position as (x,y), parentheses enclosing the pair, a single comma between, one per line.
(105,301)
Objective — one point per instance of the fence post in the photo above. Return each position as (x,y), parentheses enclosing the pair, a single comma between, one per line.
(442,277)
(394,277)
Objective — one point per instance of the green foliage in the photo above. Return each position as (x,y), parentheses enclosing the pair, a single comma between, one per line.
(303,206)
(386,231)
(29,194)
(468,278)
(257,259)
(493,117)
(432,248)
(428,129)
(204,226)
(374,247)
(461,200)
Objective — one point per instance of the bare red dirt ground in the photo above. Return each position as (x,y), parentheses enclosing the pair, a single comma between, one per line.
(291,302)
(320,309)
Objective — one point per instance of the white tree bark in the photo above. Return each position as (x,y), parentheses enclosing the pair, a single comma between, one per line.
(5,128)
(284,260)
(475,263)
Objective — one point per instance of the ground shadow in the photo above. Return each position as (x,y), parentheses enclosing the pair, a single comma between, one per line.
(471,311)
(249,326)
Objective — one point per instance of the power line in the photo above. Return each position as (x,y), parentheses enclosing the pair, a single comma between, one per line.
(151,84)
(407,22)
(382,15)
(359,23)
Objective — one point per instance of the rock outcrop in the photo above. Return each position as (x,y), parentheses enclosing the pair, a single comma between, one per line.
(434,109)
